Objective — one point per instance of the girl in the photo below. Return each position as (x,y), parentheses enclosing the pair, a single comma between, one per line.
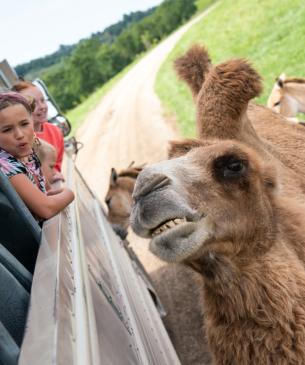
(16,140)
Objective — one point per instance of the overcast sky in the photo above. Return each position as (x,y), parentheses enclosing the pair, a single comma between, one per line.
(34,28)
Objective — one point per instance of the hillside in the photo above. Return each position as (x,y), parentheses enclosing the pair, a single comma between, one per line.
(269,33)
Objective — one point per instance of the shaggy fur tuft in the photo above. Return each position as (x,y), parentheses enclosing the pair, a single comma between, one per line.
(224,98)
(193,66)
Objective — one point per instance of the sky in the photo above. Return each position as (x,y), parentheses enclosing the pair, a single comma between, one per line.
(31,29)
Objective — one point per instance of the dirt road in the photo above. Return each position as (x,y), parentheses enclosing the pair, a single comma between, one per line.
(129,125)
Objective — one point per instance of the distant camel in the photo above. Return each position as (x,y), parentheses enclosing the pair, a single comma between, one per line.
(288,97)
(229,206)
(119,197)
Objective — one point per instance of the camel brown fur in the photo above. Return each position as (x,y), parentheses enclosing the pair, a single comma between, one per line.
(193,66)
(232,208)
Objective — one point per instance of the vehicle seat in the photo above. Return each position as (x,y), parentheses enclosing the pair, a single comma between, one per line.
(20,233)
(13,305)
(15,287)
(16,268)
(9,351)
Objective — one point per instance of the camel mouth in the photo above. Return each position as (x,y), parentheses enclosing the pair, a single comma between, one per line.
(167,225)
(179,241)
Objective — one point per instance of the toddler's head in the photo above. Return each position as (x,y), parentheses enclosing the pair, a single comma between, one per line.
(47,155)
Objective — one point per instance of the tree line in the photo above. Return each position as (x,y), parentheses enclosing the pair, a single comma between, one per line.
(95,60)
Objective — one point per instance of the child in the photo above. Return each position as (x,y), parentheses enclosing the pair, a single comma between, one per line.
(16,141)
(47,155)
(44,130)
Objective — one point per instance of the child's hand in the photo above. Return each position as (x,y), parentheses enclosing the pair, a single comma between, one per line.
(54,191)
(58,176)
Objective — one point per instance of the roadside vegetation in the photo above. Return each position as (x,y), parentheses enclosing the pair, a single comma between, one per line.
(77,114)
(96,60)
(268,33)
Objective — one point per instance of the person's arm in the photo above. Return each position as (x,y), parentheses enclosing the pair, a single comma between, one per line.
(53,191)
(40,204)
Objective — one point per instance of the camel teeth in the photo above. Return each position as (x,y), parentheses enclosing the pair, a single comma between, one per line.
(168,225)
(179,220)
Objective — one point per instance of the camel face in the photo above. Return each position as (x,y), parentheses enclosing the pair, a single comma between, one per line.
(213,193)
(287,96)
(275,98)
(118,197)
(119,204)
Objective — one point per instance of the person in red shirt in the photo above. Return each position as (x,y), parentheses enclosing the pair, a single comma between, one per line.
(44,130)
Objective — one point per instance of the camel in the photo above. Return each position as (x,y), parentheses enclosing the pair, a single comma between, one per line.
(288,97)
(230,205)
(118,198)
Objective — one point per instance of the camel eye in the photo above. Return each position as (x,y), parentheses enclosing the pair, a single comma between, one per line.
(107,201)
(229,167)
(234,169)
(277,103)
(235,166)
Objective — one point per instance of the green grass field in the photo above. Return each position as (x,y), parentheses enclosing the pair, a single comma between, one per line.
(269,33)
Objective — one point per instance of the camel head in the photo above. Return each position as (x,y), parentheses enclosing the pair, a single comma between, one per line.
(118,197)
(217,191)
(287,96)
(276,95)
(214,188)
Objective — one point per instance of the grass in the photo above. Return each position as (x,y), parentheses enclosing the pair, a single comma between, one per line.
(268,33)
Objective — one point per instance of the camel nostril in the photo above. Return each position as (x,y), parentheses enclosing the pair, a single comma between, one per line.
(151,183)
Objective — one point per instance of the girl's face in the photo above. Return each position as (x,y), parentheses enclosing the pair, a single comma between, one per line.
(16,131)
(41,108)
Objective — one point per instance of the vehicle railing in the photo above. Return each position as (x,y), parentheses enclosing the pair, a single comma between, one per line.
(89,304)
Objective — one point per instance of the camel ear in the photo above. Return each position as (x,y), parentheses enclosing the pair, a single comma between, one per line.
(113,177)
(180,148)
(193,66)
(281,79)
(224,97)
